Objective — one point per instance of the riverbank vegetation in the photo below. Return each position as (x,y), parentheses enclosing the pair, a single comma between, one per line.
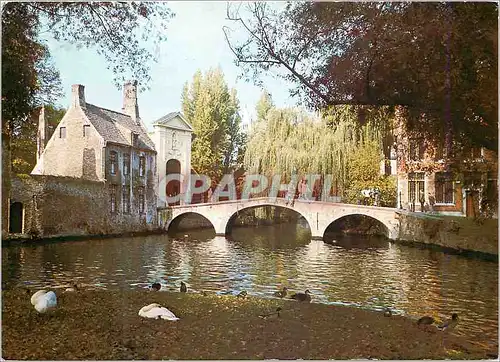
(106,325)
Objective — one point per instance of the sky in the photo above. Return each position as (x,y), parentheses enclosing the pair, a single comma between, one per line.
(195,40)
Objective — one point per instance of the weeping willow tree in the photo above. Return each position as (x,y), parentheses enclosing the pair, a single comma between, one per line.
(290,141)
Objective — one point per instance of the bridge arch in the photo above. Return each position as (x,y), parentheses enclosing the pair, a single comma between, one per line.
(199,221)
(387,227)
(232,217)
(365,224)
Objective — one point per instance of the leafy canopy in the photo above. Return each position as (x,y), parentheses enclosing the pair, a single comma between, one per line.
(116,30)
(436,59)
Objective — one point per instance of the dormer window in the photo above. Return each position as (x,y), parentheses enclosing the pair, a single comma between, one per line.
(135,139)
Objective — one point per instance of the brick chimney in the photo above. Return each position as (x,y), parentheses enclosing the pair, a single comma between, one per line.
(42,131)
(130,105)
(78,96)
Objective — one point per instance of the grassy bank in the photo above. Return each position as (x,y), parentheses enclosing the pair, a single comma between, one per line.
(106,325)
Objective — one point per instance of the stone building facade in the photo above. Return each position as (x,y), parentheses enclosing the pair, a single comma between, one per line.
(109,150)
(54,206)
(172,137)
(462,184)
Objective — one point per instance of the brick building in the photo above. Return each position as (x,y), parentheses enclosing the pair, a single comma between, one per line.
(462,184)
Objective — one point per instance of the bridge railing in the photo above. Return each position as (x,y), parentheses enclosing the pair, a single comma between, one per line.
(274,201)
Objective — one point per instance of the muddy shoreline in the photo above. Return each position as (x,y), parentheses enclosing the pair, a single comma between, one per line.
(101,324)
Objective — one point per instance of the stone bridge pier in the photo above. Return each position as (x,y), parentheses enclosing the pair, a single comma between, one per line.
(319,215)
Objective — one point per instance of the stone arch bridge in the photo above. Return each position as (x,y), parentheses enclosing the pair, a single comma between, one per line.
(319,215)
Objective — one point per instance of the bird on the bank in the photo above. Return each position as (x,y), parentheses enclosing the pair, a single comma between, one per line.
(450,323)
(426,320)
(184,288)
(281,293)
(242,294)
(156,311)
(387,312)
(277,312)
(302,297)
(44,301)
(155,286)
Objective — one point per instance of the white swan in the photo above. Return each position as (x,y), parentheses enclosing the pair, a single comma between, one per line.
(43,300)
(157,311)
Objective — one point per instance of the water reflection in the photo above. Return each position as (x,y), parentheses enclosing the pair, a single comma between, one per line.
(370,273)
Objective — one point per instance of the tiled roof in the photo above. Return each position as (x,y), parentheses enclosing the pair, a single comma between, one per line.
(104,121)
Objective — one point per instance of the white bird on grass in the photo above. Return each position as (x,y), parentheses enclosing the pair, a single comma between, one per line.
(44,301)
(156,311)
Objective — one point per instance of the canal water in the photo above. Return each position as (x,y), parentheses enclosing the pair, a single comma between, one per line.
(359,271)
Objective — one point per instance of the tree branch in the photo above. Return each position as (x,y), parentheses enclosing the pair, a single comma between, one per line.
(239,58)
(110,37)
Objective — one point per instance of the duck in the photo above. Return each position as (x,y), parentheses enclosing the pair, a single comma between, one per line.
(44,301)
(183,287)
(450,323)
(155,286)
(277,312)
(242,294)
(156,311)
(302,297)
(426,320)
(387,312)
(282,293)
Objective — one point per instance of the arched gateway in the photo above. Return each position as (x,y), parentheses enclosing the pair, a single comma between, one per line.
(319,215)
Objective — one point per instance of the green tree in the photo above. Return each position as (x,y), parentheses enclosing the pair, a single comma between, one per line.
(213,111)
(24,144)
(264,104)
(364,173)
(437,59)
(289,140)
(235,149)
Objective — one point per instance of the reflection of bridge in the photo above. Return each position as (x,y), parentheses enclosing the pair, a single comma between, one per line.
(318,214)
